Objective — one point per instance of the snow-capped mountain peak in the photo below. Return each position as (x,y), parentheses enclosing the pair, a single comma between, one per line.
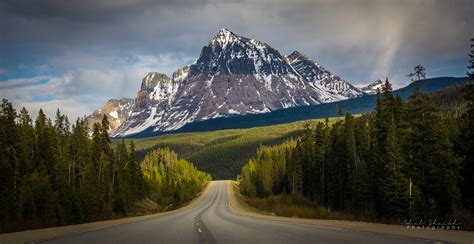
(224,37)
(234,75)
(373,87)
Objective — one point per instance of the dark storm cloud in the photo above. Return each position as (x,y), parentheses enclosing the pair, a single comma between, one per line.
(86,10)
(91,45)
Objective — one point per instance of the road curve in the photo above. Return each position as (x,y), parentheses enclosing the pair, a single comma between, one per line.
(211,221)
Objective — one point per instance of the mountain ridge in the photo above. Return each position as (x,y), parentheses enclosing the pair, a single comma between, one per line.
(234,75)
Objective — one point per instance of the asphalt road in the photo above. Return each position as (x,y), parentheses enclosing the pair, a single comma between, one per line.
(211,221)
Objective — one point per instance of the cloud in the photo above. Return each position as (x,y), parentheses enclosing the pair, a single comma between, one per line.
(15,83)
(87,80)
(72,108)
(104,48)
(114,76)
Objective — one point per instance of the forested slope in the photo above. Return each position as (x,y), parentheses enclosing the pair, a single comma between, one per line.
(404,160)
(53,173)
(221,153)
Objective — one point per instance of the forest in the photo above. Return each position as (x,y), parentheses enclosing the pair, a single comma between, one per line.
(221,153)
(54,173)
(171,180)
(404,160)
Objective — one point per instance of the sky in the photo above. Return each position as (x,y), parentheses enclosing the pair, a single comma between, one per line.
(75,55)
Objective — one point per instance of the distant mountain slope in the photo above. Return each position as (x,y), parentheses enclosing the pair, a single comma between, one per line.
(358,105)
(221,153)
(453,98)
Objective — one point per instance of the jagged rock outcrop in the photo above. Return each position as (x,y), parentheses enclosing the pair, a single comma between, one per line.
(117,112)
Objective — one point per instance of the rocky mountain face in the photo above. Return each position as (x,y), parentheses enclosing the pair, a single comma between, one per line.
(233,75)
(117,112)
(330,87)
(373,87)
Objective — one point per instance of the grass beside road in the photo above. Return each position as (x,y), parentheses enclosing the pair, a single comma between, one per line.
(238,204)
(289,206)
(295,207)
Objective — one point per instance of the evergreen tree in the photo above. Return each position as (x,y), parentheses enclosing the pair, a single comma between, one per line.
(320,150)
(9,165)
(465,147)
(434,166)
(362,199)
(307,162)
(26,209)
(60,177)
(137,180)
(26,142)
(44,169)
(396,186)
(336,168)
(295,170)
(79,159)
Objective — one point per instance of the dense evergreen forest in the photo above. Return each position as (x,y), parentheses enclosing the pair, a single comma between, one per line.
(404,160)
(55,173)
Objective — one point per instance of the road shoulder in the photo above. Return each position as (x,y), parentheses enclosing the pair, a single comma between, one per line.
(240,208)
(55,232)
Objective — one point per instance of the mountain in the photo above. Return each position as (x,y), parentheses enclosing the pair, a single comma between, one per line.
(363,104)
(233,75)
(330,87)
(117,112)
(372,87)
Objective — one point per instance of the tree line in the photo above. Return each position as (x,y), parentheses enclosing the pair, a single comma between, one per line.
(171,180)
(405,159)
(54,173)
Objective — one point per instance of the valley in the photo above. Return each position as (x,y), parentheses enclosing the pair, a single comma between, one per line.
(222,153)
(138,121)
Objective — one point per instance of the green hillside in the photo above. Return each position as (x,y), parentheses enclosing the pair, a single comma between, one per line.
(222,153)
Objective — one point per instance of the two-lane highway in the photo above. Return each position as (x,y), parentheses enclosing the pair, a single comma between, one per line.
(211,221)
